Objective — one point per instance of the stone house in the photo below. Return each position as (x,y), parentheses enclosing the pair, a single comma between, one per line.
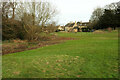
(76,27)
(61,28)
(71,27)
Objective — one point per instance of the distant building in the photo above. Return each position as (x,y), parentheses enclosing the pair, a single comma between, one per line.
(61,28)
(70,26)
(76,27)
(84,24)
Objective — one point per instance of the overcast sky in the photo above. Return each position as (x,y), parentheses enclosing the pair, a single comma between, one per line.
(77,10)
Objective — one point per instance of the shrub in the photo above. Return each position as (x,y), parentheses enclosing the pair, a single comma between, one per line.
(32,32)
(50,28)
(12,29)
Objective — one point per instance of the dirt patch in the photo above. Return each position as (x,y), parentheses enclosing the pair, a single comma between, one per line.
(99,31)
(16,73)
(64,38)
(16,46)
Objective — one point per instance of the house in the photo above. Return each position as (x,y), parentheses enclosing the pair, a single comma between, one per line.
(61,28)
(71,27)
(76,27)
(84,24)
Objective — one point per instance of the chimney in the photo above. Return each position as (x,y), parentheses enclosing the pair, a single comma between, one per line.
(75,22)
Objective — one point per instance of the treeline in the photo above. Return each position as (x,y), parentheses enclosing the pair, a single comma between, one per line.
(26,20)
(106,17)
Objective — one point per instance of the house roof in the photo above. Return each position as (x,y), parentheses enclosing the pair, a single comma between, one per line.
(61,26)
(85,22)
(69,25)
(76,27)
(78,24)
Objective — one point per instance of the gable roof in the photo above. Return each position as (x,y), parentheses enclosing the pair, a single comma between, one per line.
(78,24)
(85,22)
(69,25)
(61,27)
(76,27)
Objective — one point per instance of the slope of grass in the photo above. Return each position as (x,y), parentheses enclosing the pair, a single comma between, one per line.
(89,56)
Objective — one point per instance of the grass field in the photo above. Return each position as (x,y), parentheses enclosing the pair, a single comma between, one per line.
(90,55)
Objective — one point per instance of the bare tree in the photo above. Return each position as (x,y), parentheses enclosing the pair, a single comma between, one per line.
(8,8)
(5,6)
(32,31)
(13,4)
(34,14)
(42,12)
(31,14)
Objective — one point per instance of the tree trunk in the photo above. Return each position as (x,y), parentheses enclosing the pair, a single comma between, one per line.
(33,14)
(13,16)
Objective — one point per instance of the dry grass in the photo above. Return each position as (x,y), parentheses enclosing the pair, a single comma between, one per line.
(22,45)
(99,31)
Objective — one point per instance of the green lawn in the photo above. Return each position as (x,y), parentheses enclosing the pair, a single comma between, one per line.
(90,55)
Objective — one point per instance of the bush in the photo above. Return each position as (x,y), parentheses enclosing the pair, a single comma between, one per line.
(12,29)
(50,28)
(32,32)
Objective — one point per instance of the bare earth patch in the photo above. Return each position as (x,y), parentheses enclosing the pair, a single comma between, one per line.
(99,31)
(19,45)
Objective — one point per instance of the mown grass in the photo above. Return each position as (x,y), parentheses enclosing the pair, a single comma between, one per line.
(89,56)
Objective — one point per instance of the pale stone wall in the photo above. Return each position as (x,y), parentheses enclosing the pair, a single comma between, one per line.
(66,28)
(60,28)
(82,26)
(75,30)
